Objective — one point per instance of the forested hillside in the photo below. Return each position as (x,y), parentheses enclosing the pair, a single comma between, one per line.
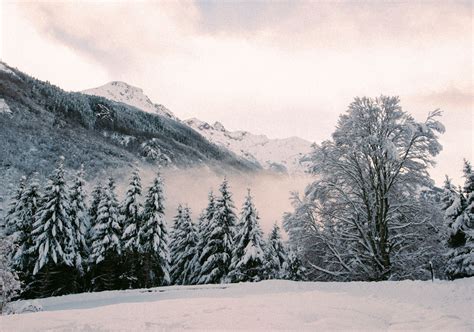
(40,121)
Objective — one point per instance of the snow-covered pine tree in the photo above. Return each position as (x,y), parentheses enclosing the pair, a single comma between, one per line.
(96,197)
(153,237)
(183,247)
(248,259)
(203,235)
(449,194)
(53,235)
(10,221)
(79,222)
(275,255)
(217,253)
(23,250)
(9,282)
(295,269)
(106,250)
(130,213)
(459,217)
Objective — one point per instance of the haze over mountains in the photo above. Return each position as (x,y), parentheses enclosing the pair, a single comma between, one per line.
(278,155)
(114,128)
(40,122)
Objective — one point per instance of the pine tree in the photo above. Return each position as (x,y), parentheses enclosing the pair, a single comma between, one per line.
(23,249)
(106,250)
(53,234)
(449,194)
(275,255)
(79,221)
(130,220)
(153,237)
(459,217)
(248,256)
(183,247)
(203,236)
(11,220)
(9,283)
(217,253)
(96,197)
(295,270)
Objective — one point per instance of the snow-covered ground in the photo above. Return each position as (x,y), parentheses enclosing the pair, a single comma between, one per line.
(269,305)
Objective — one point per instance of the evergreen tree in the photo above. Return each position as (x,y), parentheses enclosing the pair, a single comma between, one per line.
(79,221)
(459,217)
(203,236)
(295,270)
(217,253)
(183,248)
(11,220)
(153,237)
(23,249)
(54,234)
(449,194)
(96,197)
(130,220)
(248,255)
(9,283)
(106,251)
(275,255)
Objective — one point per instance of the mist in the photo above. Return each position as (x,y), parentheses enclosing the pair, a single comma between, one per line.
(191,187)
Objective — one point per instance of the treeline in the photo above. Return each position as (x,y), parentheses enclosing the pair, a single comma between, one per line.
(63,243)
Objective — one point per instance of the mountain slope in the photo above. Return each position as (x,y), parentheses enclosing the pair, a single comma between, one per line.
(281,155)
(39,122)
(130,95)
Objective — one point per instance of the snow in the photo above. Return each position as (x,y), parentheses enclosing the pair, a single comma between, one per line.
(269,153)
(4,108)
(4,68)
(130,95)
(268,305)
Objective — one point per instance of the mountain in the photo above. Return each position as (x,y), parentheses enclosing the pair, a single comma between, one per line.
(280,155)
(40,122)
(130,95)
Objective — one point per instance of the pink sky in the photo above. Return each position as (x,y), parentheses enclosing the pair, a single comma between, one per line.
(280,69)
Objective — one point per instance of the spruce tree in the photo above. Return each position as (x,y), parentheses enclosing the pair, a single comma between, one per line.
(130,214)
(295,269)
(153,238)
(275,255)
(10,284)
(106,250)
(217,253)
(183,247)
(96,197)
(79,222)
(23,253)
(248,256)
(203,236)
(11,221)
(54,234)
(449,194)
(459,217)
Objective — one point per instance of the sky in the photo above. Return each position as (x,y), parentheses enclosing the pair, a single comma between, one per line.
(270,67)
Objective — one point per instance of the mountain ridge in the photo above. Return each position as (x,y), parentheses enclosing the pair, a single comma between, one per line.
(281,155)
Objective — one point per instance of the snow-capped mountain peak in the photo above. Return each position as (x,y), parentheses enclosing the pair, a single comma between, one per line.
(128,94)
(281,155)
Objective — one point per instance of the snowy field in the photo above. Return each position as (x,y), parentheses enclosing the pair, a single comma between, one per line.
(268,305)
